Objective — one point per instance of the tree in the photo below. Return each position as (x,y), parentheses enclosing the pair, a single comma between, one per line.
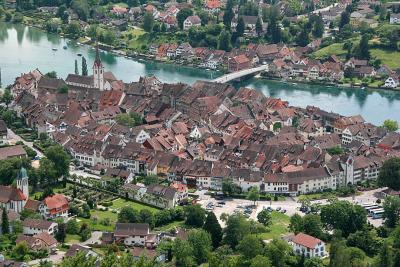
(148,22)
(228,14)
(80,259)
(84,67)
(253,195)
(264,217)
(128,215)
(343,216)
(195,215)
(312,225)
(279,252)
(318,28)
(385,258)
(200,241)
(224,41)
(260,261)
(5,224)
(48,191)
(391,213)
(7,97)
(249,247)
(213,227)
(73,29)
(228,187)
(76,67)
(303,38)
(259,27)
(296,223)
(240,27)
(389,174)
(344,19)
(63,89)
(60,158)
(72,227)
(182,15)
(150,179)
(365,240)
(314,262)
(391,125)
(129,119)
(237,227)
(61,233)
(21,251)
(146,216)
(183,253)
(362,50)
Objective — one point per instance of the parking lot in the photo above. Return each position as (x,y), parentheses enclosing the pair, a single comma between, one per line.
(290,205)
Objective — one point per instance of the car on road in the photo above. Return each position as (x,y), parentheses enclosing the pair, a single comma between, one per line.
(282,211)
(278,208)
(268,208)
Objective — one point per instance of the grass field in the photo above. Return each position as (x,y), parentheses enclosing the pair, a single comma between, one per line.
(119,203)
(72,239)
(279,226)
(390,58)
(333,49)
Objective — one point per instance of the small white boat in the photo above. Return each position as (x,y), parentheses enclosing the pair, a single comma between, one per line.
(54,49)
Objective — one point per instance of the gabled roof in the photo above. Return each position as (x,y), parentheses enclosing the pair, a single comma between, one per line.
(306,240)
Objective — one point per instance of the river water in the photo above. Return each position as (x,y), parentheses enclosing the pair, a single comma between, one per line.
(23,49)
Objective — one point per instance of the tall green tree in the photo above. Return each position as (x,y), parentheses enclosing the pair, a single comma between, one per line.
(84,67)
(200,241)
(213,227)
(148,22)
(259,27)
(389,174)
(60,158)
(228,14)
(390,125)
(250,246)
(264,217)
(318,27)
(224,41)
(240,27)
(343,216)
(5,224)
(362,50)
(7,97)
(279,252)
(253,195)
(76,67)
(195,215)
(237,227)
(391,213)
(183,253)
(344,19)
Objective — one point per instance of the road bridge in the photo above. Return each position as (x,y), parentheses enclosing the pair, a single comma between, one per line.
(239,74)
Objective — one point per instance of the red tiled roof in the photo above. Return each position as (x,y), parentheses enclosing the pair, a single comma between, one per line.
(306,240)
(56,201)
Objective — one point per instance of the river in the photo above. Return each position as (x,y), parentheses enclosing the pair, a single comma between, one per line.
(23,49)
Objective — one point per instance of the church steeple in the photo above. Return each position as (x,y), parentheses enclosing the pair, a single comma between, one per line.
(98,71)
(22,182)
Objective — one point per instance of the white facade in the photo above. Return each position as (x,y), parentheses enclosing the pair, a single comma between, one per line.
(34,231)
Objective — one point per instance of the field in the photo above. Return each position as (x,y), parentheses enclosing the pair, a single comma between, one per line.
(98,217)
(390,58)
(278,227)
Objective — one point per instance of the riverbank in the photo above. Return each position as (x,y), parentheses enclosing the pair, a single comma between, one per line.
(24,48)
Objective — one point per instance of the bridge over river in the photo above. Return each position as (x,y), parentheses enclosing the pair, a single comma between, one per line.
(239,74)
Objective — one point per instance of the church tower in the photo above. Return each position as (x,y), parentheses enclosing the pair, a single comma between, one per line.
(98,71)
(22,182)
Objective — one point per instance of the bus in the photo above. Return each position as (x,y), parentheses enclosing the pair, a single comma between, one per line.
(374,209)
(378,213)
(367,205)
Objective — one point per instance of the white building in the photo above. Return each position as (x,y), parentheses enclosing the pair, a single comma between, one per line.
(391,82)
(37,226)
(191,21)
(394,18)
(308,246)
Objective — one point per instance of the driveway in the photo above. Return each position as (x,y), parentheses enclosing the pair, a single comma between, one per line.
(94,239)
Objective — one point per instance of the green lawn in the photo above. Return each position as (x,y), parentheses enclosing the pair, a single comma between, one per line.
(176,224)
(333,49)
(72,239)
(390,58)
(119,203)
(279,226)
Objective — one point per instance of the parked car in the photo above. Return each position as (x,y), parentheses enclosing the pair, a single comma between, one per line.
(278,208)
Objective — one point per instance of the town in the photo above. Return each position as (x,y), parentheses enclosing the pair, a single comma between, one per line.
(184,174)
(319,42)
